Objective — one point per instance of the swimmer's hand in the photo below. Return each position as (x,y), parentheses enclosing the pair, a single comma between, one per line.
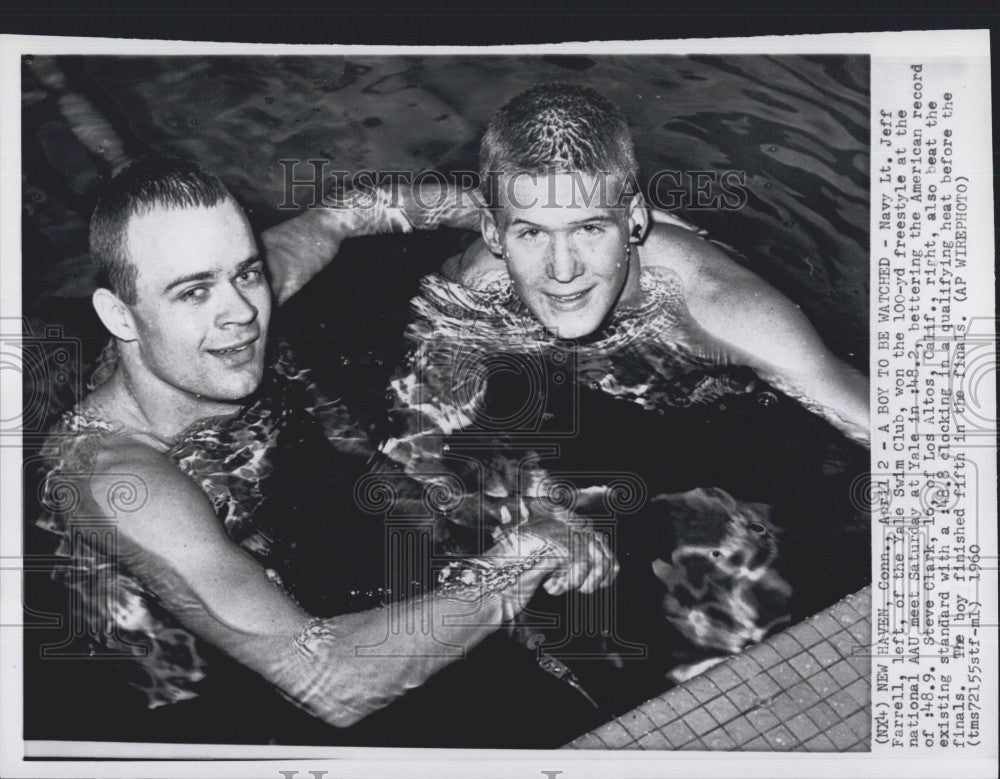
(577,557)
(590,565)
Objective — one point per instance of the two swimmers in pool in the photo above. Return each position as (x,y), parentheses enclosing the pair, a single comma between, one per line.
(188,305)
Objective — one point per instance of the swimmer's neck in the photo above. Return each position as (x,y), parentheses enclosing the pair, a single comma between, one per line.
(632,291)
(145,404)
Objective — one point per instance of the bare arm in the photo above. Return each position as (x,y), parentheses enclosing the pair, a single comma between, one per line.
(175,546)
(762,328)
(300,248)
(785,349)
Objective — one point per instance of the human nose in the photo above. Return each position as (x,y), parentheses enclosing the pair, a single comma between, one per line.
(236,308)
(563,265)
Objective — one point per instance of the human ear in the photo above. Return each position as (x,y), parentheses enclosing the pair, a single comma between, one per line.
(638,219)
(491,231)
(115,314)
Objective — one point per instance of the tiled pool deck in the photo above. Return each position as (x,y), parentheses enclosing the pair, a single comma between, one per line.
(806,689)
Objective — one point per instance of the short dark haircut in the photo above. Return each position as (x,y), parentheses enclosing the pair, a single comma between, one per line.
(148,183)
(557,128)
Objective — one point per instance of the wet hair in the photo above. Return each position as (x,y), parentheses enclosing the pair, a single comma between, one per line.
(557,128)
(148,183)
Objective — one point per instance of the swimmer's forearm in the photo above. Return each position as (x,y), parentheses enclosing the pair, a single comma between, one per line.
(339,669)
(300,248)
(297,250)
(343,669)
(842,392)
(845,391)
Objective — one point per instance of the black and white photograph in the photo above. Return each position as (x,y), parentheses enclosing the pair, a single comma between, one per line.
(465,401)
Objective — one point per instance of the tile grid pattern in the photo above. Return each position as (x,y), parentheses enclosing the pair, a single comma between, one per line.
(805,689)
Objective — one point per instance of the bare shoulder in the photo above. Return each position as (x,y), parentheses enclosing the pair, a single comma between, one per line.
(128,453)
(128,461)
(475,267)
(707,273)
(729,301)
(153,501)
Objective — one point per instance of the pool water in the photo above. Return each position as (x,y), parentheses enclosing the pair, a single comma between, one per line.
(795,127)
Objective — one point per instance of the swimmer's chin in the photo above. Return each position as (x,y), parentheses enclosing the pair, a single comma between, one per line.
(564,332)
(566,328)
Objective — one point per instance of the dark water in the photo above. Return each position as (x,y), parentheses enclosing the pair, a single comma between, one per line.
(797,127)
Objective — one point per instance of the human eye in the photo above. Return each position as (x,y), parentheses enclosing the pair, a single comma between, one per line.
(529,233)
(193,295)
(592,229)
(251,275)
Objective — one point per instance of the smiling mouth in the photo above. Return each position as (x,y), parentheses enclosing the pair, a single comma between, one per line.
(235,349)
(568,301)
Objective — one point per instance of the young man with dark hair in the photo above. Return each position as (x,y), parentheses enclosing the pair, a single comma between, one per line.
(181,416)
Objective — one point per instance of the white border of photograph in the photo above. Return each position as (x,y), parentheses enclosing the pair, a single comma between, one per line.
(891,54)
